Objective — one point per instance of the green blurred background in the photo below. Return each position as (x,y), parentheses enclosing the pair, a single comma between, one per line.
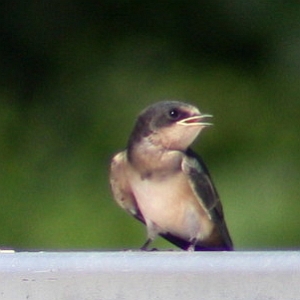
(73,77)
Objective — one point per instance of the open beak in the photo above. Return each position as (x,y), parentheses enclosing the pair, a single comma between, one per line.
(199,120)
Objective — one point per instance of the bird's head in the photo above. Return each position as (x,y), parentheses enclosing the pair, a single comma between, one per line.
(171,125)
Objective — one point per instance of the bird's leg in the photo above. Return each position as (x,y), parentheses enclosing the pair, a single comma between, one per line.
(152,230)
(146,244)
(192,245)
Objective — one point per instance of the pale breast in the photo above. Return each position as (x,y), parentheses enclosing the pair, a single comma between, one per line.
(169,202)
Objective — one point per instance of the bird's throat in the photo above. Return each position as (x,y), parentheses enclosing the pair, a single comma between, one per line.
(149,158)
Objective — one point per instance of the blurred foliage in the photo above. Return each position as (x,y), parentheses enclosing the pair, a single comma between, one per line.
(73,76)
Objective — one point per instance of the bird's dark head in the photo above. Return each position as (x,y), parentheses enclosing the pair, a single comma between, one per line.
(172,125)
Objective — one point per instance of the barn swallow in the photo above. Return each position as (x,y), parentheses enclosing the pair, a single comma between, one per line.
(160,181)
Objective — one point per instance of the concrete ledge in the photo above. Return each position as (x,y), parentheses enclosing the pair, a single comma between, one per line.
(150,275)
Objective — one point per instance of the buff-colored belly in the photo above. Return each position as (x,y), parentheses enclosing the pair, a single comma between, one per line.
(170,203)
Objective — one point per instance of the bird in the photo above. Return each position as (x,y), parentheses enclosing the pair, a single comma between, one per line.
(163,183)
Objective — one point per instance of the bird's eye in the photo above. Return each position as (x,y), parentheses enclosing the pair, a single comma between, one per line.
(174,114)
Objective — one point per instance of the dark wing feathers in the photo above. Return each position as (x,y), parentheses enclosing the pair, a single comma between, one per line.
(208,197)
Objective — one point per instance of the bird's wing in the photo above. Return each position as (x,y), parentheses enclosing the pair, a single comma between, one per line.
(121,188)
(206,193)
